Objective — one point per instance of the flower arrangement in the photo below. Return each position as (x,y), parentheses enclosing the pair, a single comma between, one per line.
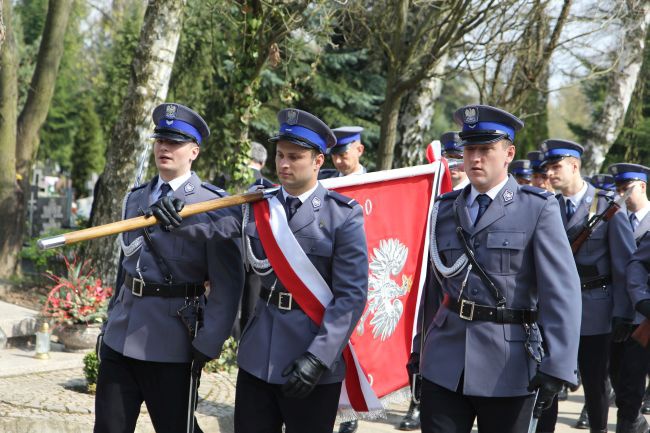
(78,298)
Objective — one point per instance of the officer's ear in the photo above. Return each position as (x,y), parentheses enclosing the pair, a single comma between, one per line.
(195,153)
(319,159)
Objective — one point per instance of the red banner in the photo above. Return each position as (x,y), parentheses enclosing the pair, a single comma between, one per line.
(396,214)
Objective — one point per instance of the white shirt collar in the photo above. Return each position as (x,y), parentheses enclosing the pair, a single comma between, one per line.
(174,183)
(302,197)
(492,193)
(576,199)
(641,213)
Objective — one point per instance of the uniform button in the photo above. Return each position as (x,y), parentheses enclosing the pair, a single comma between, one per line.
(506,243)
(474,291)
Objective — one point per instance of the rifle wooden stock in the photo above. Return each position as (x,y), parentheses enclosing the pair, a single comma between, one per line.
(141,221)
(642,333)
(589,227)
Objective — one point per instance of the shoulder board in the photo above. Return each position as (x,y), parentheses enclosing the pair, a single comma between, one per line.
(218,191)
(540,192)
(342,199)
(135,188)
(327,173)
(451,195)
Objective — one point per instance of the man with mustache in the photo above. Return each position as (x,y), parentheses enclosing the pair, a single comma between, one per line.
(501,271)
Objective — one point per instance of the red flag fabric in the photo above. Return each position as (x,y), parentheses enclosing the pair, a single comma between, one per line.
(396,216)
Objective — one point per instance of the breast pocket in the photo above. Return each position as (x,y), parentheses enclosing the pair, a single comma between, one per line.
(504,249)
(596,242)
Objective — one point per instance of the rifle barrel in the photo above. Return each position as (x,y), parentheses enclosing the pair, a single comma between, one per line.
(141,221)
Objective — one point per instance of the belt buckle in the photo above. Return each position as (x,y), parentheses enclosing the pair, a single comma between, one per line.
(136,287)
(461,311)
(282,305)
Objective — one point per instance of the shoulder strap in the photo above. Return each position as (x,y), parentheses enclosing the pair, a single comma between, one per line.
(501,300)
(162,264)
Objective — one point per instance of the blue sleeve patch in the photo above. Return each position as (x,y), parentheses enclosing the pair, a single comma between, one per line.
(342,199)
(218,191)
(540,192)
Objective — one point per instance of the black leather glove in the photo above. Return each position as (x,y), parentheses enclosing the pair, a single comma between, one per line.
(643,307)
(166,212)
(548,387)
(622,328)
(415,379)
(199,359)
(304,374)
(413,364)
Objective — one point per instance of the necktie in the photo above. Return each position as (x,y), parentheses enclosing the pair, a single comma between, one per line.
(484,201)
(164,190)
(570,209)
(634,222)
(291,206)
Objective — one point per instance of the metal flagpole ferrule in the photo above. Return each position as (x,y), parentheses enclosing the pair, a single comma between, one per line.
(49,243)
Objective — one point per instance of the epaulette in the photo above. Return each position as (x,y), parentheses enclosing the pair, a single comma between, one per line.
(342,199)
(540,192)
(135,188)
(451,195)
(218,191)
(327,173)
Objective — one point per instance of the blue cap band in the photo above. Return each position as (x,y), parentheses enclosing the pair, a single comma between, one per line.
(522,171)
(346,140)
(631,175)
(491,126)
(562,152)
(305,133)
(180,126)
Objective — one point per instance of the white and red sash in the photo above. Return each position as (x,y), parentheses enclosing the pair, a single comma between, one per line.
(307,286)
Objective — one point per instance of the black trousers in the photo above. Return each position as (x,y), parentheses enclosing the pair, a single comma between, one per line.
(628,369)
(593,361)
(548,419)
(260,407)
(444,411)
(124,383)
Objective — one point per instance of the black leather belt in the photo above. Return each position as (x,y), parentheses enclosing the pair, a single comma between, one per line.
(282,300)
(469,310)
(179,290)
(595,283)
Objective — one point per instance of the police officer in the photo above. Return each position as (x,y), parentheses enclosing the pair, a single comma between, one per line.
(629,360)
(452,149)
(346,153)
(147,344)
(291,368)
(601,265)
(482,356)
(539,177)
(522,171)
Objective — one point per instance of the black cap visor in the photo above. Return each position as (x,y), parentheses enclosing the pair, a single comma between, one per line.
(296,140)
(482,136)
(340,149)
(172,135)
(551,160)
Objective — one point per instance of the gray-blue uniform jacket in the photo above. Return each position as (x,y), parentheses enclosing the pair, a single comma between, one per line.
(635,291)
(605,253)
(329,228)
(638,271)
(148,328)
(519,246)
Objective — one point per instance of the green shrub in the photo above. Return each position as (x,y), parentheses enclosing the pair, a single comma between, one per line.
(227,362)
(91,369)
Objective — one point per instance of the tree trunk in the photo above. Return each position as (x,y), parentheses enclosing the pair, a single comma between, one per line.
(388,129)
(415,118)
(2,27)
(150,72)
(10,228)
(620,87)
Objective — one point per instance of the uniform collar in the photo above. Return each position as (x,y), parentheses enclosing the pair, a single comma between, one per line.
(576,199)
(492,193)
(302,197)
(641,213)
(174,183)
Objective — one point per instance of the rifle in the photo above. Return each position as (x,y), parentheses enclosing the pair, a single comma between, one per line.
(605,216)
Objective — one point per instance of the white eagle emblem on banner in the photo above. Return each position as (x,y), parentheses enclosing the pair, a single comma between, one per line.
(383,292)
